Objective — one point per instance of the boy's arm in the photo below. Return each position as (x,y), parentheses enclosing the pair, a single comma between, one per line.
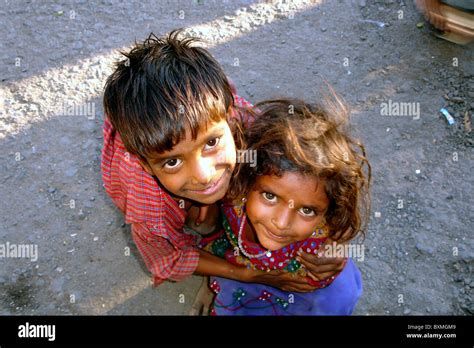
(163,260)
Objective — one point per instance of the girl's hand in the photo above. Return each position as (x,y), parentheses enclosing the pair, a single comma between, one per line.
(282,280)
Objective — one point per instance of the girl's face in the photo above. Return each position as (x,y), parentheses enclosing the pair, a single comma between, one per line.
(287,209)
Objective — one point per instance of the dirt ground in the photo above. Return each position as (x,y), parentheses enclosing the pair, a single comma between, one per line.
(419,248)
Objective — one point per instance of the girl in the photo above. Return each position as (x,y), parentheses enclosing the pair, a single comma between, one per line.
(307,182)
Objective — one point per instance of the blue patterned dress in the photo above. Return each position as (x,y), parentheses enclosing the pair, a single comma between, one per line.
(336,296)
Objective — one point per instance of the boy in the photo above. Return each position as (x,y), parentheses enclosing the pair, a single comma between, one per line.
(169,150)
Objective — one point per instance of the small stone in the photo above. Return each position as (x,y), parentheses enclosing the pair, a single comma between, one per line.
(424,249)
(469,307)
(324,29)
(401,279)
(81,215)
(51,189)
(406,311)
(70,172)
(57,284)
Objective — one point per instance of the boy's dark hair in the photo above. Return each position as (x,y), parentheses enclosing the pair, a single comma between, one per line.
(164,88)
(291,135)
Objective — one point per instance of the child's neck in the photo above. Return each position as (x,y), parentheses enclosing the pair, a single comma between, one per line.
(249,231)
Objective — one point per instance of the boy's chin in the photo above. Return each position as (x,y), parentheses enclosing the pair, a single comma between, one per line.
(211,199)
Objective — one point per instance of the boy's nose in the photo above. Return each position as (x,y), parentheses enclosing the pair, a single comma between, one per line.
(204,172)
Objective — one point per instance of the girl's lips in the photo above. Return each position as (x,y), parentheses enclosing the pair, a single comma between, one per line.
(274,236)
(212,188)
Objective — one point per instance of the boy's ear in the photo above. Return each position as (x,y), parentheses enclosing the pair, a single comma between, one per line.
(146,166)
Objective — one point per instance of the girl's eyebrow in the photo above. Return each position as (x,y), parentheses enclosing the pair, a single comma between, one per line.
(218,131)
(265,188)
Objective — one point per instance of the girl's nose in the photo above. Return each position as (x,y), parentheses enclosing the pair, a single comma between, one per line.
(282,219)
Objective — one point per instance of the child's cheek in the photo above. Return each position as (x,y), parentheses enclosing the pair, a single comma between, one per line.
(256,210)
(173,183)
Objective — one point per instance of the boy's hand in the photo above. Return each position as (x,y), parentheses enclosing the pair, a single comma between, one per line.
(322,267)
(203,219)
(319,267)
(281,280)
(203,210)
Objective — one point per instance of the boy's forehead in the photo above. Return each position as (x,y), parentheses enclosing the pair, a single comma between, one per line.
(188,144)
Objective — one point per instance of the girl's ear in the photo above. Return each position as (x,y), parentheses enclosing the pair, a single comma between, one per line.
(146,166)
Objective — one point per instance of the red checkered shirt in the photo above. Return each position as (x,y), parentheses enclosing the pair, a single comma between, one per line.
(157,220)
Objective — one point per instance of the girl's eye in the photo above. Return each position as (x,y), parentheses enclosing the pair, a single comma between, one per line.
(269,196)
(172,163)
(307,212)
(212,143)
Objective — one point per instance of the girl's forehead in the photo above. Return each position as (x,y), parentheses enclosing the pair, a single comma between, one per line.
(307,190)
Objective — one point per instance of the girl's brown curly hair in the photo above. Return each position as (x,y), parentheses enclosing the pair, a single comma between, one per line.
(291,135)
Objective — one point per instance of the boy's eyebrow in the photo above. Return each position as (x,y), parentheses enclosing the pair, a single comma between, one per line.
(212,133)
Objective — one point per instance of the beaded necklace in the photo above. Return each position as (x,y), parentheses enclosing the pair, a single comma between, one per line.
(268,253)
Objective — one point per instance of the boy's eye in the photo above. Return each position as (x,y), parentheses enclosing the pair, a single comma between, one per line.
(269,196)
(307,212)
(172,163)
(212,143)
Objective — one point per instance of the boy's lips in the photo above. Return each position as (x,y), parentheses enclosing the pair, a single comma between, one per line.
(211,189)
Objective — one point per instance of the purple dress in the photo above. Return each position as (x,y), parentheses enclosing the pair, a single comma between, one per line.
(336,296)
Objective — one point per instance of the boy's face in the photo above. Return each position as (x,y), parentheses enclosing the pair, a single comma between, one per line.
(200,169)
(287,209)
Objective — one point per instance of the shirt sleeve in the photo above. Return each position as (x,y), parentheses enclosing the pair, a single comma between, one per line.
(163,260)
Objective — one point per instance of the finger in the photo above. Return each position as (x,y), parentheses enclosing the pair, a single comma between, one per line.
(323,268)
(299,288)
(301,283)
(328,275)
(284,276)
(313,276)
(294,281)
(202,214)
(318,260)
